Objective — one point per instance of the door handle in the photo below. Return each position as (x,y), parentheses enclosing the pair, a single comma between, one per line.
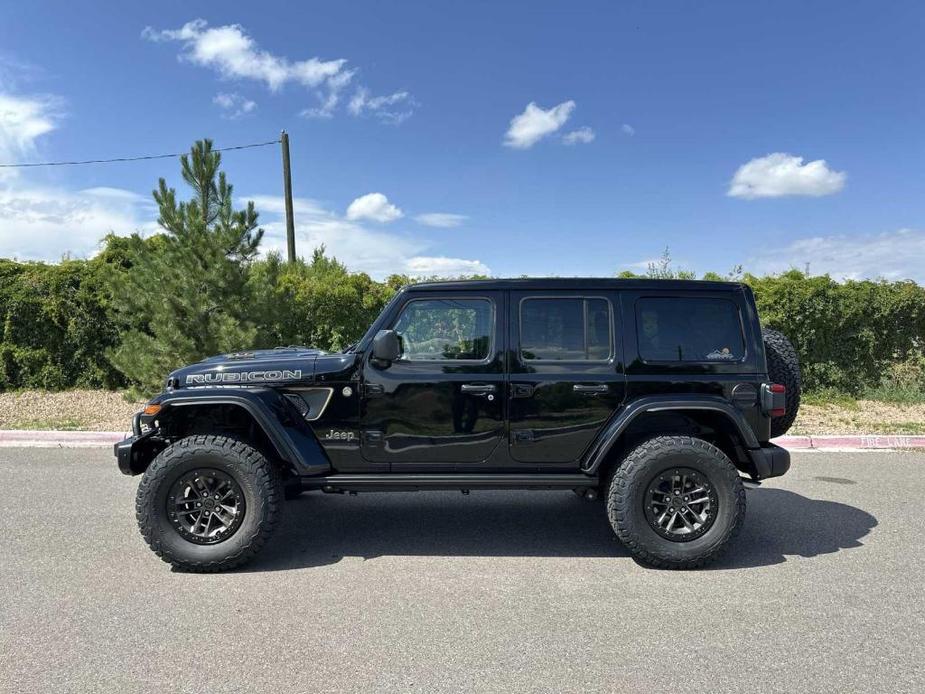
(596,388)
(477,389)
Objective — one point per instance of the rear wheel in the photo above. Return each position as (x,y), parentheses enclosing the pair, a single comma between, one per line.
(675,502)
(208,503)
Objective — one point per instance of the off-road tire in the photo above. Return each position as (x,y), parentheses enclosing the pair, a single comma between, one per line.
(783,368)
(626,499)
(258,479)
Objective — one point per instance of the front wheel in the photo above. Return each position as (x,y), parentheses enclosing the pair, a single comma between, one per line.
(208,503)
(675,502)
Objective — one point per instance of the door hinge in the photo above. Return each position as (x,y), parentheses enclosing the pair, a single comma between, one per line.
(372,438)
(521,390)
(522,436)
(371,390)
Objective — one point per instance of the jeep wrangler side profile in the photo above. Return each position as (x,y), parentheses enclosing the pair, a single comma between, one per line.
(658,397)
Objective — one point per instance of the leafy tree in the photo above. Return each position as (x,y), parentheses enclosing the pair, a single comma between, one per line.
(185,296)
(662,270)
(319,303)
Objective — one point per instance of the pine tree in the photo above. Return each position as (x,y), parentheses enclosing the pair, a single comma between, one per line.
(186,298)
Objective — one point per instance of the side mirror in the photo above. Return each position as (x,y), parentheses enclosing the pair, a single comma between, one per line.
(386,346)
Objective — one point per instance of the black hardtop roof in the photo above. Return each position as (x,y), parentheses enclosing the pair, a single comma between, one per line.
(581,283)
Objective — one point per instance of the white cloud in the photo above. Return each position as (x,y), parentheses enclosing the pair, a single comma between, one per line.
(780,174)
(583,135)
(442,220)
(376,252)
(892,255)
(424,266)
(23,119)
(45,223)
(628,129)
(374,206)
(229,50)
(535,123)
(234,105)
(393,108)
(233,54)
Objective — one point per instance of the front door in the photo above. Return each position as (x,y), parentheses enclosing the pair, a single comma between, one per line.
(442,401)
(566,375)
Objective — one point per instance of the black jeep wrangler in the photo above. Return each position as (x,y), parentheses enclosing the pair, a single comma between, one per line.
(657,397)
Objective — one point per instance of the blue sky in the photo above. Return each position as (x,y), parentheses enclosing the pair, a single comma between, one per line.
(765,134)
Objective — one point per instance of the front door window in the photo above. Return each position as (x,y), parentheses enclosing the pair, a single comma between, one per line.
(445,330)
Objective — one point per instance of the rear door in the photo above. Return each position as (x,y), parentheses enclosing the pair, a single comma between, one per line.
(442,402)
(566,372)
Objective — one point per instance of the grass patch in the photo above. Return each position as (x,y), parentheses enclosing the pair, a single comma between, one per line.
(883,393)
(904,427)
(828,396)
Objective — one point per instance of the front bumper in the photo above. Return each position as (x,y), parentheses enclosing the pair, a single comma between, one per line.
(134,453)
(770,461)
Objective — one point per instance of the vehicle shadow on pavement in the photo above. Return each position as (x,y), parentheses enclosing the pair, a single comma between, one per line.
(781,523)
(321,529)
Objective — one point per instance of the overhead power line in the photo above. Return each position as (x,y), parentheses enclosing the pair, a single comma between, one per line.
(139,158)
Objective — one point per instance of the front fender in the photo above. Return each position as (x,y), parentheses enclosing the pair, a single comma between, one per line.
(292,439)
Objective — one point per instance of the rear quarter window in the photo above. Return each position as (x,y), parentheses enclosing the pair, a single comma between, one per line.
(689,329)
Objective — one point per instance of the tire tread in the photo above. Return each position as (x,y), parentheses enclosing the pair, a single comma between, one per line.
(632,471)
(783,368)
(266,479)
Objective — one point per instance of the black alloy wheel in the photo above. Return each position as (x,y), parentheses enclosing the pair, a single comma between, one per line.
(206,506)
(681,504)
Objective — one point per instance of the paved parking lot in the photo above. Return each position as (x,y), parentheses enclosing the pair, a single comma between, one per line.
(496,591)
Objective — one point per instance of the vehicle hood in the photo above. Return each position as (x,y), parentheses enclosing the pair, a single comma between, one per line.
(274,367)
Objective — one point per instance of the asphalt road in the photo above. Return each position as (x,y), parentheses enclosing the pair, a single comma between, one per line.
(496,591)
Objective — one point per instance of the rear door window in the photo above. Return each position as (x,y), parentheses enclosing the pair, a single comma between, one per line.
(689,329)
(565,329)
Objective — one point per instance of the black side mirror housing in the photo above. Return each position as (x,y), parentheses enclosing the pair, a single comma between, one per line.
(386,346)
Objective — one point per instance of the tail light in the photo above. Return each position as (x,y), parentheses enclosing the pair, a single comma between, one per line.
(774,399)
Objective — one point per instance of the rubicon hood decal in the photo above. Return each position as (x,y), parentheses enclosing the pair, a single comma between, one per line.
(245,377)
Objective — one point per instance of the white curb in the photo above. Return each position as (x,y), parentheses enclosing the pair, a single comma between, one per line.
(13,438)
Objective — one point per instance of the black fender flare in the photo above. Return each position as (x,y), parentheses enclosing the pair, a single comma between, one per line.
(291,437)
(611,433)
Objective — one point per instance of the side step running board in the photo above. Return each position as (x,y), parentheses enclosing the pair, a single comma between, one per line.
(413,482)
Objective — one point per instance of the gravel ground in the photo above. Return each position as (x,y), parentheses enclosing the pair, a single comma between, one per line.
(439,592)
(867,417)
(101,410)
(87,410)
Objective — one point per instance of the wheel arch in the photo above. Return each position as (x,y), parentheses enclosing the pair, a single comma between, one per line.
(712,419)
(263,418)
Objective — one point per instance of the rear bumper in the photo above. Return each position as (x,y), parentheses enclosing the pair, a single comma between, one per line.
(770,461)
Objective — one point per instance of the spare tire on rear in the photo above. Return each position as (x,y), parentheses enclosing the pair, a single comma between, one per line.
(783,368)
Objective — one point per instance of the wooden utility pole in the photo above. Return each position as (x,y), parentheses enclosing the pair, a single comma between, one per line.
(287,194)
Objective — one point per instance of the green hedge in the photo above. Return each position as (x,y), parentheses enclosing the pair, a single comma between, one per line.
(849,335)
(57,330)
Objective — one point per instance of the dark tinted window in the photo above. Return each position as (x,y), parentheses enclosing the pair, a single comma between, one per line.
(689,329)
(565,329)
(437,329)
